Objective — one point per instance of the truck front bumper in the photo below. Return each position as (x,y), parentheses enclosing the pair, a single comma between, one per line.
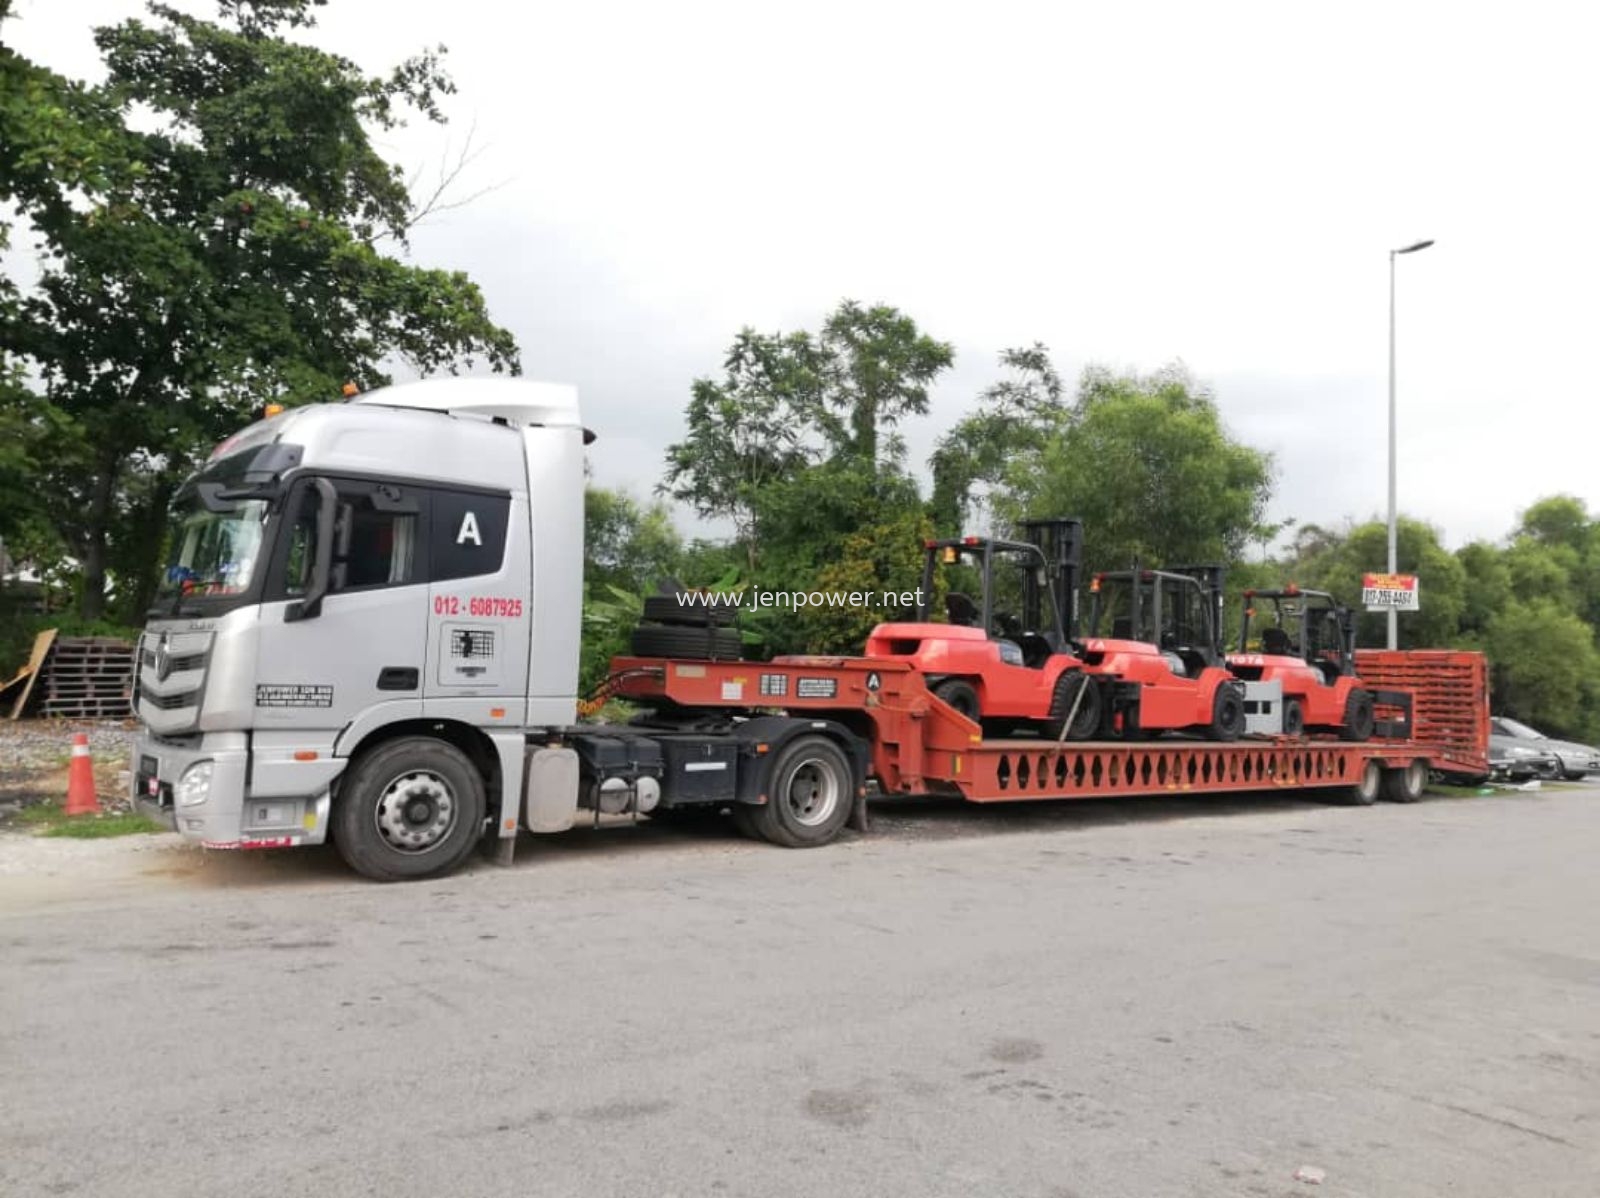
(198,786)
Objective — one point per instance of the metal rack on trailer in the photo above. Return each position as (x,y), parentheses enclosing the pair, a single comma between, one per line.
(1433,705)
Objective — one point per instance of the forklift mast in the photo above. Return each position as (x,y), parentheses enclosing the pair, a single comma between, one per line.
(1060,539)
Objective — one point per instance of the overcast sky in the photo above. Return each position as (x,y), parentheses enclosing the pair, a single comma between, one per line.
(1128,183)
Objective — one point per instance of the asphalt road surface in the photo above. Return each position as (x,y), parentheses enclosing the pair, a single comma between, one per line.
(1142,999)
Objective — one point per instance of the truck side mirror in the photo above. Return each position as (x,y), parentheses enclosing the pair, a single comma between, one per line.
(322,567)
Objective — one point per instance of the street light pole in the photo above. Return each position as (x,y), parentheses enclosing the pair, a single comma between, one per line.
(1394,614)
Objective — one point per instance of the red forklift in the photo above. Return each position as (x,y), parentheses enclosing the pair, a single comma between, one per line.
(1309,648)
(1003,655)
(1155,635)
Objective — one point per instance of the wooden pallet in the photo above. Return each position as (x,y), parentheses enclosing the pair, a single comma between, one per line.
(78,678)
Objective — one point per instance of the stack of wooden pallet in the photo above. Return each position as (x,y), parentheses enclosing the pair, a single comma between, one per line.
(88,677)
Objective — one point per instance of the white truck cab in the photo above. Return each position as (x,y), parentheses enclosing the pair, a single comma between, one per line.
(369,627)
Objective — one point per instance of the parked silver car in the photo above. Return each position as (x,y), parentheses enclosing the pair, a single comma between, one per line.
(1572,760)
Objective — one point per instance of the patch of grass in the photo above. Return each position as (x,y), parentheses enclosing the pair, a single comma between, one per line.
(47,819)
(1451,791)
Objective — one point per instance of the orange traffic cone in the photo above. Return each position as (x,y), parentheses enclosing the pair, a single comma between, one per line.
(80,779)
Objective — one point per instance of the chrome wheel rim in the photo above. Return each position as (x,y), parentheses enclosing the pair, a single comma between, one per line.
(811,792)
(416,812)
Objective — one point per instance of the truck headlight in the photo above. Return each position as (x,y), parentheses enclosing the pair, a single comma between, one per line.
(194,787)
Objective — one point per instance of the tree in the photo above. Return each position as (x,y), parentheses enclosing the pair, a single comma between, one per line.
(1147,465)
(748,430)
(1545,666)
(227,253)
(1338,563)
(1014,420)
(627,548)
(788,402)
(879,366)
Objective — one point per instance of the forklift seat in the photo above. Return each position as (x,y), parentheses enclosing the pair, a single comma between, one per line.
(960,609)
(1276,643)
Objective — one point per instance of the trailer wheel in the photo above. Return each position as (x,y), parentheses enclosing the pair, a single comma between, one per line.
(1367,788)
(809,795)
(1294,718)
(1358,717)
(1406,784)
(961,695)
(411,808)
(1227,714)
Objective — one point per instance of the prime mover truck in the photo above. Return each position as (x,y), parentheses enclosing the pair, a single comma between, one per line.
(368,631)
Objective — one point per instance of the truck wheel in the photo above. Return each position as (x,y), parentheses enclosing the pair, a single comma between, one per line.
(1358,718)
(412,808)
(961,695)
(809,795)
(1365,792)
(1227,714)
(1406,784)
(1294,718)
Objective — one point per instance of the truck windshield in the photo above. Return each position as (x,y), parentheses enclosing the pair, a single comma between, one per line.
(212,553)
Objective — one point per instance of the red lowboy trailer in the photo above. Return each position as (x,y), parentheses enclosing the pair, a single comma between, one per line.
(1434,718)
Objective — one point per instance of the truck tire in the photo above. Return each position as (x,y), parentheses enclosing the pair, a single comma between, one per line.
(1227,714)
(1086,723)
(810,792)
(715,609)
(1406,784)
(1367,787)
(1358,717)
(1294,718)
(960,694)
(651,640)
(411,808)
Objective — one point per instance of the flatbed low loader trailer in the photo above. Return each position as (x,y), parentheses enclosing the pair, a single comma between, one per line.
(368,633)
(916,745)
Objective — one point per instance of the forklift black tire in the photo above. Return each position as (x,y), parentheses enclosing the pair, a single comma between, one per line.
(960,694)
(711,609)
(1091,709)
(810,791)
(651,640)
(411,808)
(1294,718)
(1367,788)
(1227,715)
(1359,720)
(1406,784)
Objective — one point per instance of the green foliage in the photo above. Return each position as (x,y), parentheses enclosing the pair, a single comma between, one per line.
(219,251)
(1014,422)
(1336,562)
(1546,667)
(789,402)
(1147,465)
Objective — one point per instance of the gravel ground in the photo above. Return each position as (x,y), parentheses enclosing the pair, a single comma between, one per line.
(34,756)
(1143,999)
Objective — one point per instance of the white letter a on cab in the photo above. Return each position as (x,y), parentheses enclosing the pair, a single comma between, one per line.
(469,531)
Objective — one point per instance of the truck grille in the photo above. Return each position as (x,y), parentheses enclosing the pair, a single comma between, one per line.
(187,661)
(171,679)
(171,702)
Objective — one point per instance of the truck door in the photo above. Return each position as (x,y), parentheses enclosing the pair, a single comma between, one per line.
(478,607)
(364,647)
